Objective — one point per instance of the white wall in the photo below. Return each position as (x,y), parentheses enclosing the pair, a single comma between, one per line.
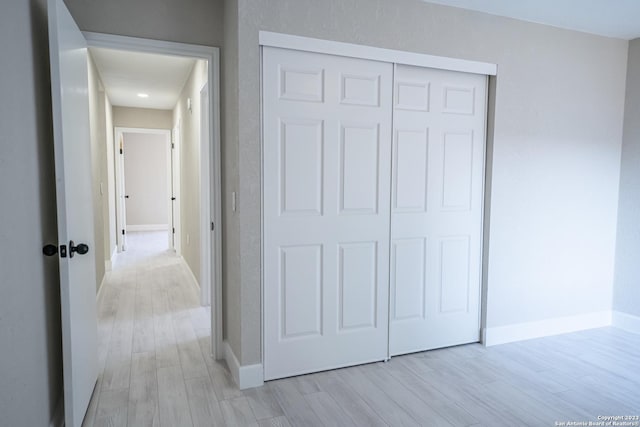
(559,99)
(146,118)
(627,284)
(30,335)
(98,165)
(189,147)
(110,229)
(146,179)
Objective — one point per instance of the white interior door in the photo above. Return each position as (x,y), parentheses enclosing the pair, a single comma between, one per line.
(327,147)
(70,106)
(437,201)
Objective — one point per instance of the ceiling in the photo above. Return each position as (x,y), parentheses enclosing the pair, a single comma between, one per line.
(125,74)
(612,18)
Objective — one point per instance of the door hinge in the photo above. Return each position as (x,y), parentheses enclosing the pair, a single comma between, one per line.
(123,232)
(213,227)
(174,230)
(173,145)
(121,151)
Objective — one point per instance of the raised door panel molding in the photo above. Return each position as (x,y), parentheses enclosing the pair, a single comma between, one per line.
(301,291)
(359,169)
(299,84)
(357,286)
(360,90)
(301,163)
(408,278)
(411,155)
(457,180)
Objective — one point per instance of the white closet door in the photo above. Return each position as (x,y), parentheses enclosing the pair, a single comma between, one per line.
(327,148)
(437,197)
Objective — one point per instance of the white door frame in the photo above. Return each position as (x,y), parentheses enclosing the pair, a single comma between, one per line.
(174,159)
(210,188)
(118,135)
(205,176)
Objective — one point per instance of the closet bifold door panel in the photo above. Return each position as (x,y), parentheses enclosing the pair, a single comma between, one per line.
(326,210)
(436,209)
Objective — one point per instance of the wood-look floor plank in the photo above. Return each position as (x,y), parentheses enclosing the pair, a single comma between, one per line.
(327,410)
(274,422)
(118,362)
(172,397)
(143,392)
(404,398)
(205,410)
(237,412)
(112,408)
(431,396)
(378,400)
(191,360)
(356,408)
(263,402)
(223,383)
(143,334)
(295,407)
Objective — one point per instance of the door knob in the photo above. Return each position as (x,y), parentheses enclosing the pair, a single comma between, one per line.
(126,197)
(50,250)
(80,249)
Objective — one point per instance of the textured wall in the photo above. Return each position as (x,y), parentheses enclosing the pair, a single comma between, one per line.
(30,354)
(627,284)
(556,149)
(230,179)
(191,21)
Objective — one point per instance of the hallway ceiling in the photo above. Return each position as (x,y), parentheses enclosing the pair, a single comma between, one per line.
(125,74)
(612,18)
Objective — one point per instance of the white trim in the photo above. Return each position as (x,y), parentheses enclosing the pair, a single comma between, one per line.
(101,288)
(147,227)
(205,196)
(544,328)
(58,416)
(287,41)
(192,276)
(212,56)
(176,170)
(626,321)
(248,376)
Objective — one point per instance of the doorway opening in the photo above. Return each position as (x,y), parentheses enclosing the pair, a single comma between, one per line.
(191,212)
(144,182)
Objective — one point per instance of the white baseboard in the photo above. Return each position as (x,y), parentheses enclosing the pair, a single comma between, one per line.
(148,227)
(626,321)
(194,281)
(58,414)
(108,264)
(545,328)
(99,293)
(245,376)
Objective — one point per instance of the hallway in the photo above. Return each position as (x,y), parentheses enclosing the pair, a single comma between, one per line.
(154,348)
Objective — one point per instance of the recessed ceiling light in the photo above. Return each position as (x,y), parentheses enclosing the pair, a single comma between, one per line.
(143,95)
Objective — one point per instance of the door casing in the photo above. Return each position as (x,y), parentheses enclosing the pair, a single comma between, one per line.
(211,189)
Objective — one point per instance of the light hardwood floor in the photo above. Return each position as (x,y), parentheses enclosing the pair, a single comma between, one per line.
(156,370)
